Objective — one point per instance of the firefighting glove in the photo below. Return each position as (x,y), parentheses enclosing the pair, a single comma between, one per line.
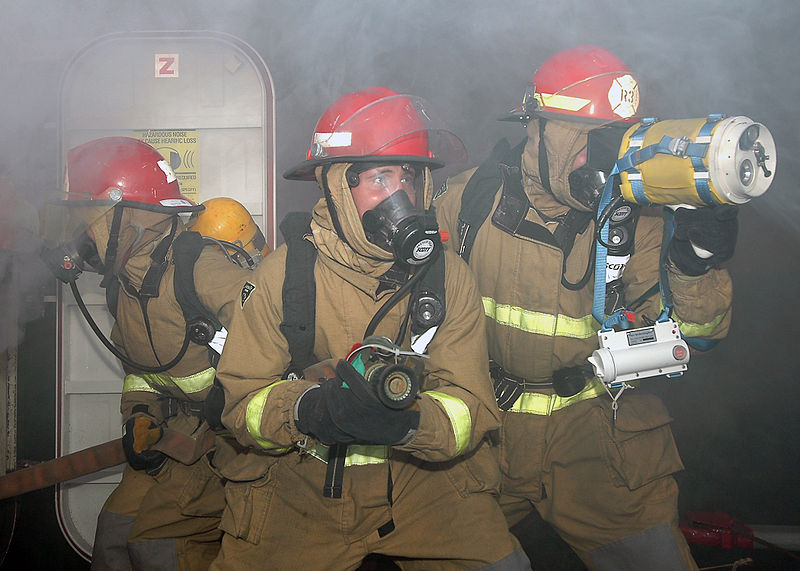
(139,433)
(712,228)
(311,417)
(213,405)
(355,409)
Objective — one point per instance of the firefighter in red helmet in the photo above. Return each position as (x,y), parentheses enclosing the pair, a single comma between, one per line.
(335,469)
(595,464)
(170,299)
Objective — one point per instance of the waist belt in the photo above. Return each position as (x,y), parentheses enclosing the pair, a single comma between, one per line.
(546,404)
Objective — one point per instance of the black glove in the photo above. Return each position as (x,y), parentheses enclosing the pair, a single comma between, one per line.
(139,433)
(312,417)
(213,405)
(346,409)
(355,409)
(712,228)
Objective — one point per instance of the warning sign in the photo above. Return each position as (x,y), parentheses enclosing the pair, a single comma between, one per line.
(179,147)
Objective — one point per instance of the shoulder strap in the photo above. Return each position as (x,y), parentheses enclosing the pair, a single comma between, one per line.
(185,251)
(428,307)
(299,292)
(478,197)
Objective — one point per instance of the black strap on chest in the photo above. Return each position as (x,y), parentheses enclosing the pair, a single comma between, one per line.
(299,292)
(503,170)
(202,323)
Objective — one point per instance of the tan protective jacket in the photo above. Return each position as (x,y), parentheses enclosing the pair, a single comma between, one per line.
(537,326)
(457,406)
(219,284)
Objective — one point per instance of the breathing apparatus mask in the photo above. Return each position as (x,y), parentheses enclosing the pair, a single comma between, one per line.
(68,247)
(382,193)
(68,260)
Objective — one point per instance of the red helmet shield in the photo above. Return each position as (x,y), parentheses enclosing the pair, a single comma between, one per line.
(123,168)
(376,124)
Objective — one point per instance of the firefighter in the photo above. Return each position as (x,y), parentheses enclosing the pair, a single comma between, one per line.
(600,471)
(125,216)
(332,473)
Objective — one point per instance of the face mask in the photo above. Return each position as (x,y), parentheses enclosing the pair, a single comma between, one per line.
(586,183)
(396,226)
(68,260)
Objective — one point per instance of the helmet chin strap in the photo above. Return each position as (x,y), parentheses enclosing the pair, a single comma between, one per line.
(544,165)
(111,246)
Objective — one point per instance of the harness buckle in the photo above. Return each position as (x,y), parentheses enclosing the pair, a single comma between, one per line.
(679,145)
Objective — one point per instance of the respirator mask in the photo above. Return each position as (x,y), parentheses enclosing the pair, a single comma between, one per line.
(586,183)
(67,260)
(389,218)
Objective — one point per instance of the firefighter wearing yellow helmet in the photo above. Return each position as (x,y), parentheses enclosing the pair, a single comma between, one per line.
(595,464)
(171,299)
(227,220)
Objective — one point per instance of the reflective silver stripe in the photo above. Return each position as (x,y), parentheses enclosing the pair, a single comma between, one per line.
(357,454)
(254,414)
(190,384)
(460,417)
(540,323)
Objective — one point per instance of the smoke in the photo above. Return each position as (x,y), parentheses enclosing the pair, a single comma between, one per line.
(472,60)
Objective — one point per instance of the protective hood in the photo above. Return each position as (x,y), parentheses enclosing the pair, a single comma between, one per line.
(140,232)
(563,141)
(353,249)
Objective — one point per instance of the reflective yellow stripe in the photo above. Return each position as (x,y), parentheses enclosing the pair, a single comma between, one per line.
(691,329)
(255,411)
(540,323)
(545,405)
(136,383)
(190,384)
(565,102)
(460,418)
(357,455)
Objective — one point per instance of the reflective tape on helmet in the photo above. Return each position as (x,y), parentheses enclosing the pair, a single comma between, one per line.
(254,414)
(541,323)
(565,102)
(149,382)
(357,454)
(546,404)
(460,417)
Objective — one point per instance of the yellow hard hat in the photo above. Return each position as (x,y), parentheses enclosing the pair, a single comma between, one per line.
(227,220)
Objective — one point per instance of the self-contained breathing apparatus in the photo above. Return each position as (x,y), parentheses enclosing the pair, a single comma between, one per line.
(394,373)
(683,163)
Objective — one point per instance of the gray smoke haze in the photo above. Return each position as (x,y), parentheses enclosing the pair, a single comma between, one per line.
(736,409)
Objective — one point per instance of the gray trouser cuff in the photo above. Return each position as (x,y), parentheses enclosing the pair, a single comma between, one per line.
(654,549)
(514,561)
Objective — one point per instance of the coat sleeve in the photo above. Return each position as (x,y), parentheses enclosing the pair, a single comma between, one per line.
(457,408)
(702,304)
(259,403)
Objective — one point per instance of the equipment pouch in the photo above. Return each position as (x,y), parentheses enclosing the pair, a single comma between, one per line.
(639,447)
(203,495)
(246,509)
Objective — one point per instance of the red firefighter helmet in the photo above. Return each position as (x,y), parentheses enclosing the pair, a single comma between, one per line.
(126,170)
(379,124)
(584,83)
